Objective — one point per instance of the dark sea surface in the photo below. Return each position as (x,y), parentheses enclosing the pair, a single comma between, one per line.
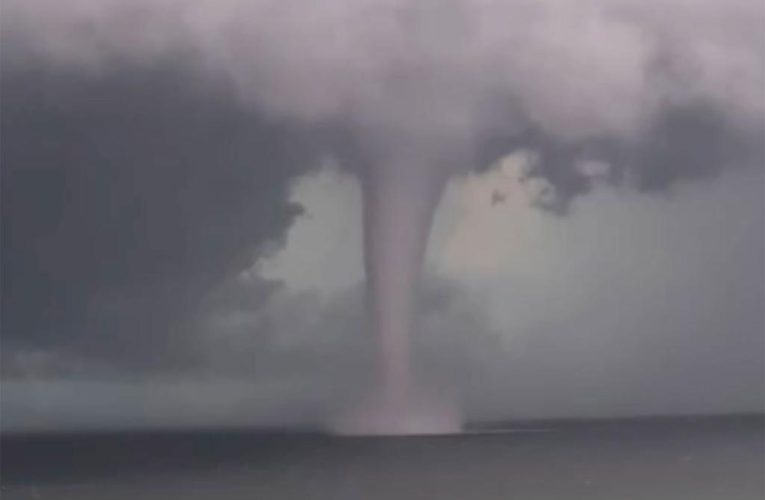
(672,459)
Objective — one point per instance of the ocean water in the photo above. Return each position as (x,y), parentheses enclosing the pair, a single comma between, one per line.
(673,460)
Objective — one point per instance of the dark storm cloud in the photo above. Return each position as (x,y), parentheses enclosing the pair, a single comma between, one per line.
(658,91)
(695,141)
(126,194)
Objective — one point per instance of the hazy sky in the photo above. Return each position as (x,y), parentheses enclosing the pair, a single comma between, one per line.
(632,304)
(182,217)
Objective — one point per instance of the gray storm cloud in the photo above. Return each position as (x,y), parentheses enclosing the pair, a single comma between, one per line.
(574,70)
(427,89)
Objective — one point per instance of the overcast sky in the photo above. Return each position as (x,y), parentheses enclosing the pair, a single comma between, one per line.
(182,217)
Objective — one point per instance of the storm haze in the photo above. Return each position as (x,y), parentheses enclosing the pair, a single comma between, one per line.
(156,157)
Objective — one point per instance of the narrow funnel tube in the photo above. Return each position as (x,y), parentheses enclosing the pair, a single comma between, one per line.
(399,202)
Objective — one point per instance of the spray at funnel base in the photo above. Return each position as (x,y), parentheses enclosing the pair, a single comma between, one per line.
(399,202)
